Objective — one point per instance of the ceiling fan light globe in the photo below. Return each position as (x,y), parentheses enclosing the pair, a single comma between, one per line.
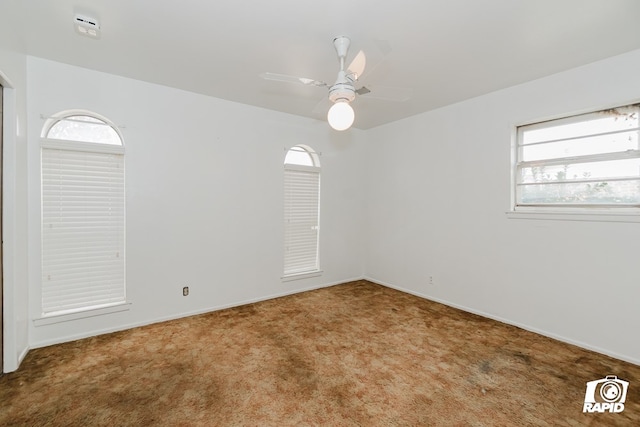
(341,116)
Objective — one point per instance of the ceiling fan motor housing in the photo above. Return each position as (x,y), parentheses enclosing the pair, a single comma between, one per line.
(342,89)
(342,92)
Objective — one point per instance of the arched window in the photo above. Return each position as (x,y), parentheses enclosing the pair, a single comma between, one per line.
(83,220)
(302,156)
(301,211)
(83,128)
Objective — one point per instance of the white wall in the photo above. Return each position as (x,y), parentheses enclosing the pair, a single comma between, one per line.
(204,182)
(204,206)
(438,187)
(13,76)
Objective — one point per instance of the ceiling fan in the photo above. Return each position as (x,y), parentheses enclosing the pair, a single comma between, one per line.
(343,91)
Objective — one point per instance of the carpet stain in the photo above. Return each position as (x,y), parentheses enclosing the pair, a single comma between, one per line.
(485,367)
(356,354)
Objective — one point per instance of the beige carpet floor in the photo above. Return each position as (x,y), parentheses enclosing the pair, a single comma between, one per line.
(357,354)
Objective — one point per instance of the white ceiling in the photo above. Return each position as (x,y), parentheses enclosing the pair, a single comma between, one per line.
(443,51)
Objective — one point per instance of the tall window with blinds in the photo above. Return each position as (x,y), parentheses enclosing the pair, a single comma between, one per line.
(83,215)
(585,161)
(301,211)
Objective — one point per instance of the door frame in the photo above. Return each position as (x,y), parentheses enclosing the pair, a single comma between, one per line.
(11,355)
(1,229)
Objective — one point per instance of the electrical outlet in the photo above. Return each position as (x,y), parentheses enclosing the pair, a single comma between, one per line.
(185,291)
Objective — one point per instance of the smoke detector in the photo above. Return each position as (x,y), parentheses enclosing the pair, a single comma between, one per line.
(86,26)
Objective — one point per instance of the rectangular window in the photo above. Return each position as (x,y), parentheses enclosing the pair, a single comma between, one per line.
(82,230)
(586,161)
(301,219)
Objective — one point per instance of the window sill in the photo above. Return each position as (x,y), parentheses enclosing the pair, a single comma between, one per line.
(66,317)
(299,276)
(597,216)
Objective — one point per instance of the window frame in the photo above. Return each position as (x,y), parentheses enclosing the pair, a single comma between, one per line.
(289,275)
(46,143)
(558,211)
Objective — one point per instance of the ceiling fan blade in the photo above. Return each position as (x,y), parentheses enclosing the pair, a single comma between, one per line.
(385,93)
(378,52)
(356,68)
(322,107)
(292,79)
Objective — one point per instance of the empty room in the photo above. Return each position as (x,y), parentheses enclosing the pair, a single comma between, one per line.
(338,213)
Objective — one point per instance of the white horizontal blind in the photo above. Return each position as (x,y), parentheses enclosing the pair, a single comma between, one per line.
(301,219)
(589,160)
(82,230)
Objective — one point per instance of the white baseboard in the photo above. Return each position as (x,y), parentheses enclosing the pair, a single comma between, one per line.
(554,336)
(185,314)
(22,355)
(557,337)
(12,367)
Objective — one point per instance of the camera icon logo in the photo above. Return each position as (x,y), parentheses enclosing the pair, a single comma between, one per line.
(605,395)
